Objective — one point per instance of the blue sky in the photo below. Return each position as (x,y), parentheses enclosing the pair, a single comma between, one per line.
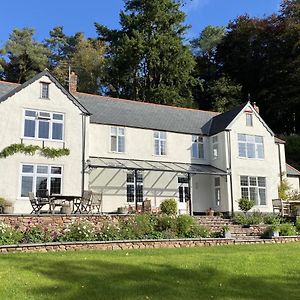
(80,15)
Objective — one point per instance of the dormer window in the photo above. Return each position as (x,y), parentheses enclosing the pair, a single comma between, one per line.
(45,90)
(249,119)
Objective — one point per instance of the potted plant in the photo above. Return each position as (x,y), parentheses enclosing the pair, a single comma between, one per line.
(274,230)
(210,212)
(226,232)
(7,206)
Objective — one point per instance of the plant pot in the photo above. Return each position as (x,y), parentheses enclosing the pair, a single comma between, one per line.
(274,233)
(8,209)
(210,212)
(122,210)
(227,234)
(66,209)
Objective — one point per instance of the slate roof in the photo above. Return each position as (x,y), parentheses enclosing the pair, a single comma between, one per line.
(291,171)
(6,87)
(113,111)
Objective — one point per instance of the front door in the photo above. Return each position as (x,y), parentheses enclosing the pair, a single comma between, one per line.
(184,195)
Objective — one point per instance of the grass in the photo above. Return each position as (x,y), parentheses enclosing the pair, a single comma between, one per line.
(227,272)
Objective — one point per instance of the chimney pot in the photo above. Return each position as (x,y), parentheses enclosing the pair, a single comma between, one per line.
(256,107)
(73,83)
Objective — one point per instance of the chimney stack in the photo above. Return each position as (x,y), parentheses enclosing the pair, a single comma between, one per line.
(73,83)
(255,107)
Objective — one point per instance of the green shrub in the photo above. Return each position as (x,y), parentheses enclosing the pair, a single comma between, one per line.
(80,231)
(165,222)
(9,235)
(110,232)
(199,231)
(272,219)
(37,234)
(287,229)
(245,204)
(297,224)
(184,224)
(169,207)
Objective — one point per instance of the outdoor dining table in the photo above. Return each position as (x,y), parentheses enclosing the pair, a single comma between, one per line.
(75,200)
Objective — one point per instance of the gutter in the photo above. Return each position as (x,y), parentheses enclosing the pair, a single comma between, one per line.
(230,169)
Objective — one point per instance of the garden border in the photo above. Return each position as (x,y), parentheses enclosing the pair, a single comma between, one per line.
(139,244)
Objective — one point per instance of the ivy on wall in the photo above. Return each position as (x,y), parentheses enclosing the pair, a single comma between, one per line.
(32,149)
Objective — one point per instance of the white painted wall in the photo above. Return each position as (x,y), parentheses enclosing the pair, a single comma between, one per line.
(11,124)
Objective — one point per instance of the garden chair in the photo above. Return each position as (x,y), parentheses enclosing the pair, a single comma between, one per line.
(36,203)
(282,207)
(85,203)
(96,202)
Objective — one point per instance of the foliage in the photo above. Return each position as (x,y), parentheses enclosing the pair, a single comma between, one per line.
(283,189)
(26,57)
(169,207)
(292,150)
(248,219)
(166,222)
(272,219)
(37,234)
(9,235)
(245,204)
(147,59)
(287,229)
(31,150)
(297,225)
(85,56)
(109,232)
(80,231)
(2,201)
(184,224)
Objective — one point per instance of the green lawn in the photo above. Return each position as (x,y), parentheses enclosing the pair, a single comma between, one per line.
(227,272)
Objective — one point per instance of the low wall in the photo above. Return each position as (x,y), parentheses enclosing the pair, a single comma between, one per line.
(140,244)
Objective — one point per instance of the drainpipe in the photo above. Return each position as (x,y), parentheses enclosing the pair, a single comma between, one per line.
(190,194)
(83,152)
(135,189)
(229,168)
(280,167)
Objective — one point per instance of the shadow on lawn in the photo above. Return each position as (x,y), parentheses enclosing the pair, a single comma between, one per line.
(92,278)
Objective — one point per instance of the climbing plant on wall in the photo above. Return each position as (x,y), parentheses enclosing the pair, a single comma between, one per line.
(32,149)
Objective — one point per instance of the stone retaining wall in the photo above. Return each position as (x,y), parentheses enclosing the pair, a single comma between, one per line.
(139,244)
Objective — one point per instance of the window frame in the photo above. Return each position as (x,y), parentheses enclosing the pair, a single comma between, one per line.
(42,85)
(162,143)
(118,137)
(249,119)
(215,147)
(36,174)
(245,144)
(217,190)
(38,119)
(258,187)
(198,142)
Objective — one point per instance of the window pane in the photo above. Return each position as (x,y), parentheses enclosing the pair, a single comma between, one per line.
(139,178)
(215,139)
(194,150)
(156,134)
(217,196)
(139,193)
(43,129)
(55,170)
(249,120)
(242,137)
(183,180)
(41,183)
(130,193)
(262,181)
(29,129)
(57,131)
(163,135)
(27,168)
(162,148)
(200,151)
(121,143)
(253,194)
(242,150)
(42,169)
(180,194)
(55,185)
(113,130)
(26,185)
(262,196)
(245,193)
(215,151)
(187,194)
(253,181)
(30,113)
(250,150)
(258,139)
(113,143)
(58,117)
(45,90)
(217,181)
(130,177)
(156,147)
(244,180)
(260,151)
(121,131)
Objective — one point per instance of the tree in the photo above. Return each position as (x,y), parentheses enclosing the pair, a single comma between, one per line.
(85,56)
(26,57)
(147,59)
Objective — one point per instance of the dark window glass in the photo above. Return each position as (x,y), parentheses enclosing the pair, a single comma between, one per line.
(130,193)
(57,131)
(43,129)
(139,193)
(29,129)
(180,194)
(27,184)
(183,180)
(55,185)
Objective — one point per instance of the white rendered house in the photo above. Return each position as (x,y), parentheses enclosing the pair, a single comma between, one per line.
(131,151)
